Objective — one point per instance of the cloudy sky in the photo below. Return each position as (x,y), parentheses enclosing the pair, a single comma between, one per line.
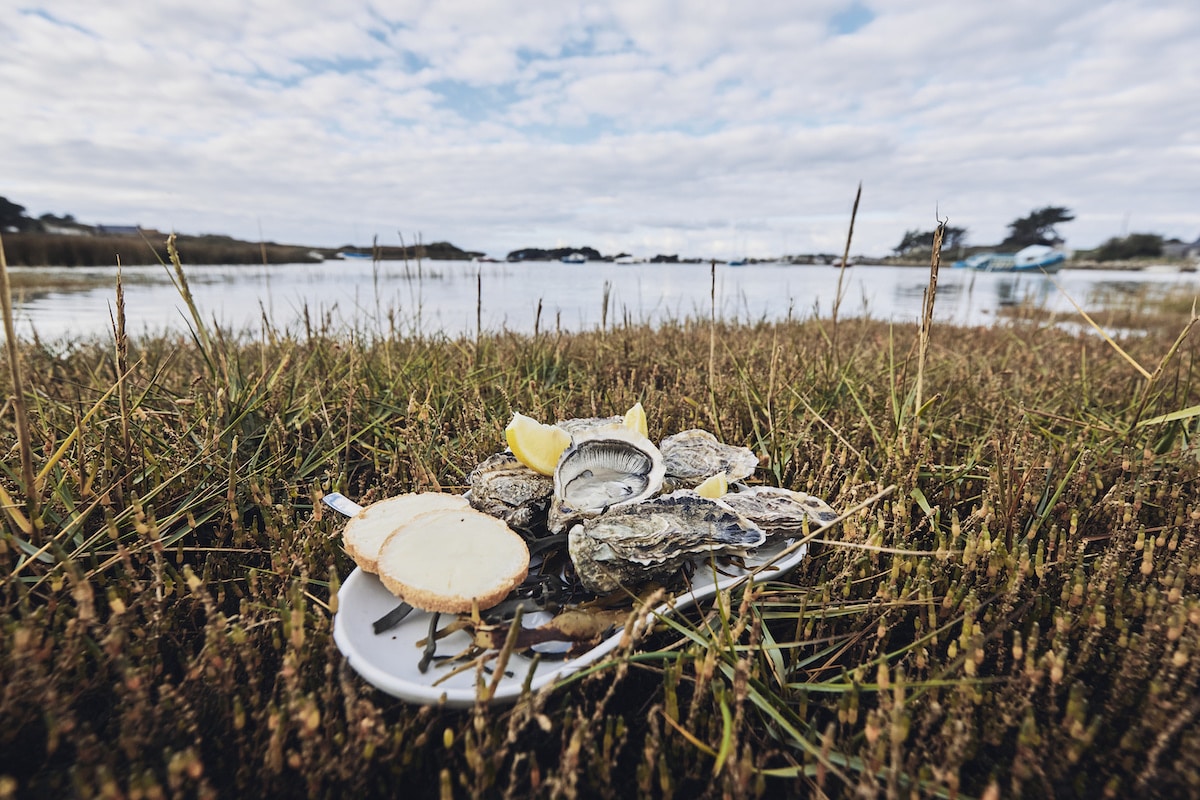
(703,128)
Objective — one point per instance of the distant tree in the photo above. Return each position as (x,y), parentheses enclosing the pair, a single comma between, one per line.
(954,238)
(1132,246)
(916,241)
(65,219)
(1037,228)
(913,240)
(539,254)
(12,215)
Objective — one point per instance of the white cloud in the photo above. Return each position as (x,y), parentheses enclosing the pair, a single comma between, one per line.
(629,125)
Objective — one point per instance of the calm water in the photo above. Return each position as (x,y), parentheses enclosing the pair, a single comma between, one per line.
(450,297)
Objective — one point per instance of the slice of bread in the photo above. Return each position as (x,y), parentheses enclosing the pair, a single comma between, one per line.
(366,532)
(446,560)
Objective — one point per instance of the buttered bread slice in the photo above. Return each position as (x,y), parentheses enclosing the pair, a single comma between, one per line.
(446,560)
(366,531)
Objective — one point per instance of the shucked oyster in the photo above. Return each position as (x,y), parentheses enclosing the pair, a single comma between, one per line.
(780,511)
(651,540)
(578,425)
(601,469)
(506,488)
(694,455)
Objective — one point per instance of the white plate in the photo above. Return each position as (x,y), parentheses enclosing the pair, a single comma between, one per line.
(388,661)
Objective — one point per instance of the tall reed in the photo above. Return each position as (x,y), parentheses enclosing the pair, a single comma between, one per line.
(31,523)
(928,298)
(837,297)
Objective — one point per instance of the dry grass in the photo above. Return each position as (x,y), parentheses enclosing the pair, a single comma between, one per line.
(1021,617)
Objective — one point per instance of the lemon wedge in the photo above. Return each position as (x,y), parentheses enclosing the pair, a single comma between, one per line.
(635,418)
(535,445)
(713,486)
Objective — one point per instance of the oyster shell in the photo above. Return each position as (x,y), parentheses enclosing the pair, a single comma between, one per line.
(694,455)
(651,540)
(601,469)
(507,489)
(780,511)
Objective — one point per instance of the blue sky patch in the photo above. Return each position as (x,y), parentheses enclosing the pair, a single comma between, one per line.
(342,66)
(62,23)
(474,103)
(851,20)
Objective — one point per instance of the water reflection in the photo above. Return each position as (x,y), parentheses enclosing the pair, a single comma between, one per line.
(964,297)
(1023,290)
(456,298)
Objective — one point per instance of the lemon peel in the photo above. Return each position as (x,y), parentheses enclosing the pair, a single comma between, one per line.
(635,418)
(536,445)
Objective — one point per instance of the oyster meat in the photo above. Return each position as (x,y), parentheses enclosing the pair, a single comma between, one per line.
(780,511)
(601,469)
(651,540)
(507,489)
(695,455)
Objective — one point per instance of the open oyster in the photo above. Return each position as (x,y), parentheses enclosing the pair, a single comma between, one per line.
(601,469)
(651,540)
(577,425)
(694,455)
(780,511)
(507,489)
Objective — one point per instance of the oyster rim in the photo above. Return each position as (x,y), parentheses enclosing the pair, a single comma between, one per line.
(618,432)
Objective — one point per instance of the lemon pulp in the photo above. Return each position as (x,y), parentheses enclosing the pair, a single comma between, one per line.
(713,486)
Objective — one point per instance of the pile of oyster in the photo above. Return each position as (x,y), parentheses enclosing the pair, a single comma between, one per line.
(630,511)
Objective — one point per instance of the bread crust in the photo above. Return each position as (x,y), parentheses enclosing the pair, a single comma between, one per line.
(422,561)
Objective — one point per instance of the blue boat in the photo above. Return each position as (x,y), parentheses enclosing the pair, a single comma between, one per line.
(349,254)
(1034,258)
(574,258)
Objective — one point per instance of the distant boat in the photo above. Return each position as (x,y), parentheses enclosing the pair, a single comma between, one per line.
(1034,258)
(574,258)
(350,254)
(737,262)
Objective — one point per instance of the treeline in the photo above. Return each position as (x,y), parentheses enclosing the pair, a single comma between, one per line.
(32,249)
(1135,245)
(591,254)
(63,241)
(438,251)
(1039,227)
(556,254)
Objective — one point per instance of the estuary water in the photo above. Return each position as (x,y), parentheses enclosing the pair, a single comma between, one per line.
(455,298)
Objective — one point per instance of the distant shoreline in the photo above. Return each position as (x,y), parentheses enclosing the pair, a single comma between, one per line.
(36,249)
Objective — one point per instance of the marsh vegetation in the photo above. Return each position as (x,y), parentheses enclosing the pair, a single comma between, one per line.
(1018,615)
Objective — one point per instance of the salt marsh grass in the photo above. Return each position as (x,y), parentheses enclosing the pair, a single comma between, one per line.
(1018,614)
